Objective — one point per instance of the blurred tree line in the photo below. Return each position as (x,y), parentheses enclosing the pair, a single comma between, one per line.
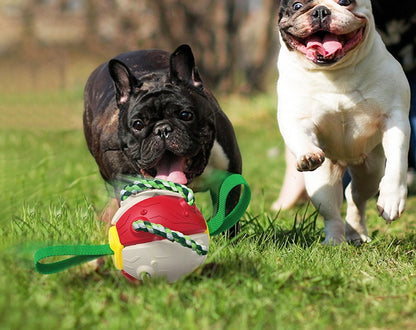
(234,41)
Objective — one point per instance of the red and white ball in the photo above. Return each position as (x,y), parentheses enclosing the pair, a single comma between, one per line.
(142,254)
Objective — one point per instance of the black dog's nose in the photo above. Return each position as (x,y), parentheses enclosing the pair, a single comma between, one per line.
(162,130)
(321,13)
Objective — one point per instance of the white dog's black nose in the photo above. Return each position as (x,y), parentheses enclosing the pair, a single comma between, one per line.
(321,14)
(162,130)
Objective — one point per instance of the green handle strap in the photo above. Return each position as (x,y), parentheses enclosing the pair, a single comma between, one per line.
(220,189)
(77,254)
(221,185)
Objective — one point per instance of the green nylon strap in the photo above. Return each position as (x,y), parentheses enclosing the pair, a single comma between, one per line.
(220,185)
(220,188)
(77,254)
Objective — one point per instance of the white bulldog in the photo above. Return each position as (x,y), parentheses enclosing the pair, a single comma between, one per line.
(343,103)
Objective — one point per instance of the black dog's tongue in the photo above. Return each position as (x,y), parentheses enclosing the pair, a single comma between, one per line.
(172,168)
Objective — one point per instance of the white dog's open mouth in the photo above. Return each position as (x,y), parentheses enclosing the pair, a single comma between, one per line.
(324,47)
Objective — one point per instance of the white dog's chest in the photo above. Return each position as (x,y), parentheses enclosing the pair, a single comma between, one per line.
(346,126)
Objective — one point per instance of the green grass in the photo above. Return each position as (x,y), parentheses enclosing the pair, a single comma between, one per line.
(275,275)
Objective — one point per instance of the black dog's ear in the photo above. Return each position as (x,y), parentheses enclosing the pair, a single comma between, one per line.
(182,67)
(124,80)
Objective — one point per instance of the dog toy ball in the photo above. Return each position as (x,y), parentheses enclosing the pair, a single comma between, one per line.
(157,231)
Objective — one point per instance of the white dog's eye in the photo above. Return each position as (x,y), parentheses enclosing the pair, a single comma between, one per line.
(298,5)
(344,2)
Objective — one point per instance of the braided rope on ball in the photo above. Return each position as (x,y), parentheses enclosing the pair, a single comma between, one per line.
(171,235)
(140,185)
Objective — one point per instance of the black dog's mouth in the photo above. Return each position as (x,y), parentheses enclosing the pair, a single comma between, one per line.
(172,168)
(324,47)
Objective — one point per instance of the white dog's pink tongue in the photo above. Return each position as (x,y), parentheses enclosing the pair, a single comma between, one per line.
(172,169)
(326,47)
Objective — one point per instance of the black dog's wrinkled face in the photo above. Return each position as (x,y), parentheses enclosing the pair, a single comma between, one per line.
(324,31)
(166,125)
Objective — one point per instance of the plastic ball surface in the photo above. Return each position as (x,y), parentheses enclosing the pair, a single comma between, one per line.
(142,254)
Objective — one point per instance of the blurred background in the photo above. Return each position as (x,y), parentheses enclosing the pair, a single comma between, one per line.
(48,44)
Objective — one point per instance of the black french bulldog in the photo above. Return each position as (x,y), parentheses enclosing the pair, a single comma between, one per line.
(149,113)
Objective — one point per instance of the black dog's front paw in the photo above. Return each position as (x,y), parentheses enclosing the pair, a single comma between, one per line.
(310,161)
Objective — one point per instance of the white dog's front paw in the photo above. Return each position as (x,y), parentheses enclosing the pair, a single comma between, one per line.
(391,202)
(310,161)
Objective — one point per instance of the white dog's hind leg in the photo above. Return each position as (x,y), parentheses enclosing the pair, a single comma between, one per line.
(355,224)
(293,189)
(324,186)
(364,185)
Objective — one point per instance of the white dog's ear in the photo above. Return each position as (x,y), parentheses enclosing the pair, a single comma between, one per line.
(124,81)
(182,67)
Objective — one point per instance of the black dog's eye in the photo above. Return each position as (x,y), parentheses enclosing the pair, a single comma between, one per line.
(138,125)
(345,2)
(298,5)
(186,115)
